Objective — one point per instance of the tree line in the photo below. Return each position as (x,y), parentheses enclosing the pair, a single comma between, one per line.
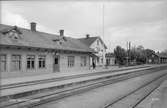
(132,56)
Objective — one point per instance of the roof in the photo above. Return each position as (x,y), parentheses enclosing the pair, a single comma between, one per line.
(88,41)
(38,39)
(109,55)
(161,55)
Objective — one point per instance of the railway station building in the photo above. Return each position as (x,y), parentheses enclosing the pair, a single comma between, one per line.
(30,52)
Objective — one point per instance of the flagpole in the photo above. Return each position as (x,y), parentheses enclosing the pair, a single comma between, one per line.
(103,20)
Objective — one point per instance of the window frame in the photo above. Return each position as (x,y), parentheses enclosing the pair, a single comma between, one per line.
(83,61)
(32,60)
(71,61)
(41,61)
(97,41)
(3,61)
(16,61)
(102,60)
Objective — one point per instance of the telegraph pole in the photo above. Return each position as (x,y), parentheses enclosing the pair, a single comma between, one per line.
(128,52)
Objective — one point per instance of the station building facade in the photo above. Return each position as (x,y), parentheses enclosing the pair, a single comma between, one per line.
(26,52)
(98,46)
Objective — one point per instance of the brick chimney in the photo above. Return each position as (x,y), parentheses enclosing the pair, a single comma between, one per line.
(87,36)
(33,26)
(61,32)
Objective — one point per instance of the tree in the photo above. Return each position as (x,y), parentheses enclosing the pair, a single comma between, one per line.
(120,55)
(133,54)
(140,54)
(148,52)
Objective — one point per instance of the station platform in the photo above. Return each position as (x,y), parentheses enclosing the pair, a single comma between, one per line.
(15,80)
(13,86)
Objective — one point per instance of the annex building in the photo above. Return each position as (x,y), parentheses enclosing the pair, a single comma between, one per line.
(29,51)
(98,46)
(156,58)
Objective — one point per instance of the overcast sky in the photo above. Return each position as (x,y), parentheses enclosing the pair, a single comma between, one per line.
(143,22)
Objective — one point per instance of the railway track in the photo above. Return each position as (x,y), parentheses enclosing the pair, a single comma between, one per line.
(75,88)
(132,100)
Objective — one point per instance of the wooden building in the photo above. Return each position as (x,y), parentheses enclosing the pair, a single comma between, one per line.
(110,59)
(29,52)
(97,44)
(156,58)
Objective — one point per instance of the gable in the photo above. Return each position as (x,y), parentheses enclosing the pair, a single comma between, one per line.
(88,41)
(91,40)
(98,44)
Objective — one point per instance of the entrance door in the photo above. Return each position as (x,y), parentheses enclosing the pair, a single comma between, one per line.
(56,64)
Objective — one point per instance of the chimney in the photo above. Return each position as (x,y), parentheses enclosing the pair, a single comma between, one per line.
(33,26)
(87,36)
(61,32)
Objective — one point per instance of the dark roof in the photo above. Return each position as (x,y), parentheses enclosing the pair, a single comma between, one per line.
(41,40)
(109,55)
(88,41)
(161,55)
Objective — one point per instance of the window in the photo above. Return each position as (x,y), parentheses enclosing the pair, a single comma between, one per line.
(97,49)
(98,60)
(13,34)
(97,42)
(108,61)
(101,60)
(30,62)
(2,63)
(83,61)
(71,61)
(16,62)
(42,61)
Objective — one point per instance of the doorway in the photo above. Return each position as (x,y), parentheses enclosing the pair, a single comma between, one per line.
(56,67)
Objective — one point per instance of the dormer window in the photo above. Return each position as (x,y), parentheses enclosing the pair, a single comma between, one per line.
(60,40)
(13,34)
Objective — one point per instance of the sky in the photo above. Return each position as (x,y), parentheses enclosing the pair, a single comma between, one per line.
(142,22)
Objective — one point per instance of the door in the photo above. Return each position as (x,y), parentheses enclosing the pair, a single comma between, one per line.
(56,64)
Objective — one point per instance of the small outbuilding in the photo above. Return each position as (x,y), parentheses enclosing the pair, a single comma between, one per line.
(110,59)
(156,58)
